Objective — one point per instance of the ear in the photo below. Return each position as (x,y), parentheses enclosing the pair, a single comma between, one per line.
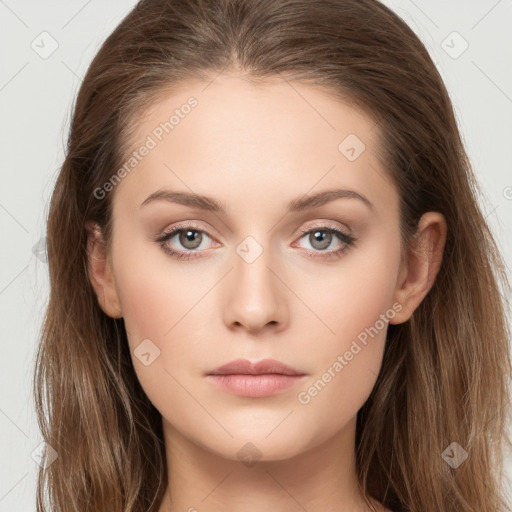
(418,273)
(100,272)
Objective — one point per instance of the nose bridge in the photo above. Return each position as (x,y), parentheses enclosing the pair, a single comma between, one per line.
(255,298)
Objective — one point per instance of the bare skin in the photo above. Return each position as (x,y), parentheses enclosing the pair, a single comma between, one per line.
(255,148)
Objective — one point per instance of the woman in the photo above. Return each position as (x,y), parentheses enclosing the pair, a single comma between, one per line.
(271,281)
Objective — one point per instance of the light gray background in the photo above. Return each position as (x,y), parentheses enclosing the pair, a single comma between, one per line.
(36,96)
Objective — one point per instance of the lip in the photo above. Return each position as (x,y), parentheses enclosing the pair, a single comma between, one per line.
(246,367)
(263,378)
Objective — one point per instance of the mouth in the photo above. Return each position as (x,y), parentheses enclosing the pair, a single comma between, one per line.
(263,378)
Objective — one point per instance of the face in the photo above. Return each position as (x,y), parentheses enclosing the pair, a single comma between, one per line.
(268,274)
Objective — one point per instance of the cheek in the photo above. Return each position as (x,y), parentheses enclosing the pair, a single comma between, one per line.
(159,315)
(355,303)
(351,295)
(154,294)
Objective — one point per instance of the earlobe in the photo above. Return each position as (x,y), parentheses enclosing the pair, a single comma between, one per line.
(100,272)
(424,258)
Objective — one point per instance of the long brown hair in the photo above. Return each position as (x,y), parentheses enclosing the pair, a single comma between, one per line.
(444,377)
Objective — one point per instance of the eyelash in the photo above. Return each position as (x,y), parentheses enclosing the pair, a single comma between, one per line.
(347,239)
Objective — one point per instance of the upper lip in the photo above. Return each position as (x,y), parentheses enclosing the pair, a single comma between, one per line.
(265,366)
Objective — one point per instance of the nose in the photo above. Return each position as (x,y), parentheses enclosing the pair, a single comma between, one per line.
(254,296)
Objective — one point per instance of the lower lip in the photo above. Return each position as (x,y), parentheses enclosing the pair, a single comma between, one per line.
(255,386)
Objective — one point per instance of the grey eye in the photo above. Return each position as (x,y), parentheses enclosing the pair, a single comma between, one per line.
(322,237)
(189,238)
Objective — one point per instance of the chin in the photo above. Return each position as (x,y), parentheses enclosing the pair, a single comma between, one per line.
(250,446)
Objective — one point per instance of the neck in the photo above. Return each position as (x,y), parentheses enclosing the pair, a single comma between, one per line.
(322,478)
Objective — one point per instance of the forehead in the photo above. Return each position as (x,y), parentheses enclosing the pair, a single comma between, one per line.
(244,109)
(234,135)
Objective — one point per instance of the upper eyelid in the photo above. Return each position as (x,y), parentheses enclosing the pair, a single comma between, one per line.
(192,225)
(170,233)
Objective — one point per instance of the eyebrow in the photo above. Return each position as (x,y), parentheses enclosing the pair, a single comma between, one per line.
(297,205)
